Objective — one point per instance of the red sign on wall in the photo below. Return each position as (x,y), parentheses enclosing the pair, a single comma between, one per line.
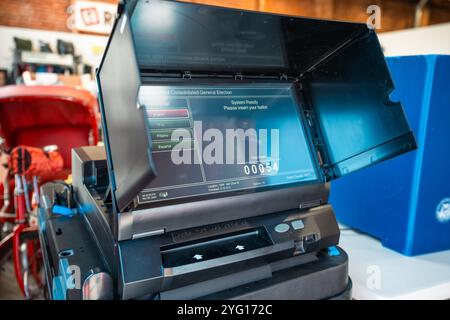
(90,16)
(93,17)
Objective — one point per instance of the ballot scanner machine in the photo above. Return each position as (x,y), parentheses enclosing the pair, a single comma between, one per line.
(222,130)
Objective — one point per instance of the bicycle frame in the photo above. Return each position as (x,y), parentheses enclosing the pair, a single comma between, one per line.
(66,117)
(23,210)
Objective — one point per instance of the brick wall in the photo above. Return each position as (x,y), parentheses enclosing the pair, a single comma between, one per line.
(37,14)
(395,14)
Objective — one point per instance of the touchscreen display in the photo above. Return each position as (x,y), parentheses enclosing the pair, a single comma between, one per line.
(217,139)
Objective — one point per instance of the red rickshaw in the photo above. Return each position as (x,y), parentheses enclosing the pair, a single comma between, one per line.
(34,122)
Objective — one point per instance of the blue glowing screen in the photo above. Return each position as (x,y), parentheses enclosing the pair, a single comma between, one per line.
(215,139)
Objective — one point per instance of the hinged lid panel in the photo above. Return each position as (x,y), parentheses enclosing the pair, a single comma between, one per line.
(349,93)
(339,67)
(123,120)
(197,38)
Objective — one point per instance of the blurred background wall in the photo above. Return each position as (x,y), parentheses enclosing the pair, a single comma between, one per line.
(396,14)
(50,20)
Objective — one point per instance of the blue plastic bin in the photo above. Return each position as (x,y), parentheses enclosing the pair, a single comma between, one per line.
(405,202)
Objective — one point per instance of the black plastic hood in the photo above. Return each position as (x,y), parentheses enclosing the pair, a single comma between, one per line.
(339,67)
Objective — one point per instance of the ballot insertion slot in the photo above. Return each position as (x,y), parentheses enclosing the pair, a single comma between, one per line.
(214,247)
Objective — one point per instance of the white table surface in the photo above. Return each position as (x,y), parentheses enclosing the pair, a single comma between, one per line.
(380,273)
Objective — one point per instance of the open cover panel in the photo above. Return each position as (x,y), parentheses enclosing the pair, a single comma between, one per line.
(174,36)
(338,68)
(348,94)
(126,143)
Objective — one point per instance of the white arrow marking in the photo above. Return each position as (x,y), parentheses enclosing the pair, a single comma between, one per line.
(198,257)
(239,247)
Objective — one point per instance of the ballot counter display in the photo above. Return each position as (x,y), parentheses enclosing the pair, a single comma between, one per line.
(222,129)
